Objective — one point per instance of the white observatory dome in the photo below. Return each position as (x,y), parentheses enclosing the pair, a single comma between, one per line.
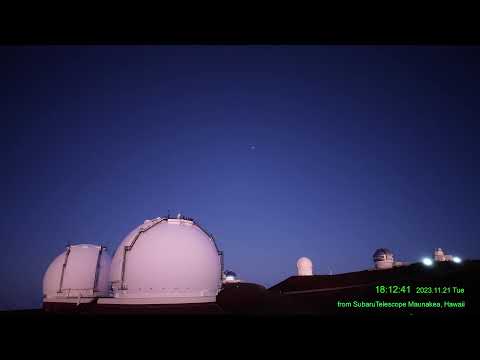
(229,276)
(81,271)
(383,259)
(439,255)
(304,266)
(166,261)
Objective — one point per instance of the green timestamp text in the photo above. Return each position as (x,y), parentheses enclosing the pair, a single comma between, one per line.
(407,289)
(392,289)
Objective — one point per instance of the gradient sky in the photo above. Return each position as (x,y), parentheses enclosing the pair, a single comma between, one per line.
(356,148)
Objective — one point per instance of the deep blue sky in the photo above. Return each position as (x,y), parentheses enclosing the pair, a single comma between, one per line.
(355,148)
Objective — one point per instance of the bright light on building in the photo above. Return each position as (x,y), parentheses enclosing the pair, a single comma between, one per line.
(427,262)
(456,259)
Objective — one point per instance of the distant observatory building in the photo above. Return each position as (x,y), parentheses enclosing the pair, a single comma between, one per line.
(383,259)
(166,261)
(230,277)
(439,255)
(80,274)
(304,266)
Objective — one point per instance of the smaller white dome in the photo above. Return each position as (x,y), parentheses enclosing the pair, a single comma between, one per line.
(304,266)
(80,271)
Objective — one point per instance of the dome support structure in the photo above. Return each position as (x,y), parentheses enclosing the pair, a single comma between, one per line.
(64,266)
(97,269)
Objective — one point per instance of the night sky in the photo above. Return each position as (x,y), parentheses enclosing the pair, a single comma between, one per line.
(280,151)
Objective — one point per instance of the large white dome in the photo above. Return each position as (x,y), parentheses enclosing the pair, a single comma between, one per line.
(80,271)
(166,261)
